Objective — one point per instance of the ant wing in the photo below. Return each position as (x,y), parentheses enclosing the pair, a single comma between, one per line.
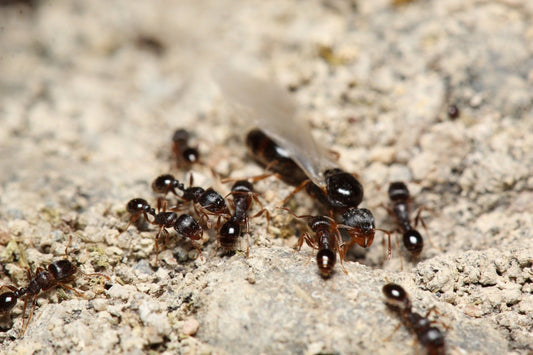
(272,109)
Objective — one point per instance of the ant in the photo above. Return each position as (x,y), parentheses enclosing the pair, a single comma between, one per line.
(328,240)
(210,201)
(56,274)
(184,224)
(334,188)
(412,239)
(183,153)
(243,195)
(283,141)
(430,337)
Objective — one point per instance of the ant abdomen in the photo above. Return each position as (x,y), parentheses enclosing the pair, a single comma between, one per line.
(326,260)
(229,234)
(8,301)
(413,242)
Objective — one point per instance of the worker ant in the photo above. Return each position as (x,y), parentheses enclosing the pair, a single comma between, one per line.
(243,195)
(184,224)
(210,201)
(430,337)
(328,241)
(412,239)
(183,153)
(57,273)
(284,144)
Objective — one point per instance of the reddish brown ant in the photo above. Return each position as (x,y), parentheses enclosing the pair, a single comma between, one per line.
(57,273)
(328,241)
(412,239)
(243,195)
(430,337)
(183,153)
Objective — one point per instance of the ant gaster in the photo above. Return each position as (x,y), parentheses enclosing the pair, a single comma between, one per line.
(183,153)
(412,239)
(243,195)
(56,274)
(430,337)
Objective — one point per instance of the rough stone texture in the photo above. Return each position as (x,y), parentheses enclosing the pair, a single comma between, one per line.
(90,93)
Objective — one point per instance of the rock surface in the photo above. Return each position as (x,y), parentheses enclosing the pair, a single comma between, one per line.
(90,93)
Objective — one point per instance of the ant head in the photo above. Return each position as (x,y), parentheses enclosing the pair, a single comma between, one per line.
(165,183)
(62,269)
(137,205)
(398,191)
(360,218)
(343,189)
(180,136)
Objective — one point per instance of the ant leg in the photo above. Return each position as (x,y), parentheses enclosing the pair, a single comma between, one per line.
(295,191)
(11,288)
(394,331)
(261,212)
(389,249)
(308,240)
(418,218)
(27,321)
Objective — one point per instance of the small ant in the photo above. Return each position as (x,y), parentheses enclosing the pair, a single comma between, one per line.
(56,274)
(327,240)
(210,201)
(430,337)
(412,239)
(243,194)
(183,153)
(184,224)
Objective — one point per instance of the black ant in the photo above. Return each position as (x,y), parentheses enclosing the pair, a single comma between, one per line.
(210,201)
(183,153)
(184,224)
(430,337)
(243,194)
(284,142)
(333,188)
(56,274)
(327,240)
(412,239)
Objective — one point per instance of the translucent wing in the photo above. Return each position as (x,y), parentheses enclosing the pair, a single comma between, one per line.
(275,112)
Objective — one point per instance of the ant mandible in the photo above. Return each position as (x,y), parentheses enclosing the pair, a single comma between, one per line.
(56,274)
(243,195)
(430,337)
